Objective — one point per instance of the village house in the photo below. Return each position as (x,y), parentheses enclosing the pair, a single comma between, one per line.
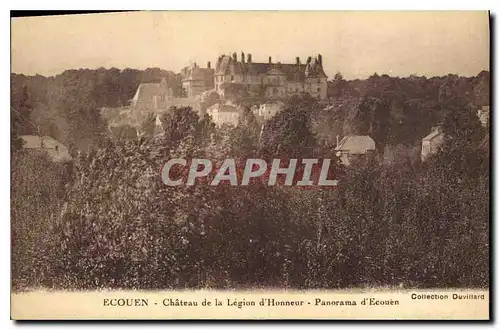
(277,80)
(484,115)
(355,147)
(224,114)
(55,150)
(432,143)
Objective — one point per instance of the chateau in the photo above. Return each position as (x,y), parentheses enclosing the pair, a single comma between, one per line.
(277,80)
(270,80)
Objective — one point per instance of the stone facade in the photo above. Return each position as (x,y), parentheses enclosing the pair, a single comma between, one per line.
(267,110)
(196,80)
(432,143)
(224,114)
(484,115)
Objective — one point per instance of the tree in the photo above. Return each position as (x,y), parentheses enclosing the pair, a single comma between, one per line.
(234,91)
(148,124)
(288,133)
(337,86)
(461,125)
(371,118)
(177,123)
(20,118)
(205,130)
(481,90)
(210,100)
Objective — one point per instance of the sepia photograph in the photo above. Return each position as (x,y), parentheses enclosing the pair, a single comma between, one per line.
(250,165)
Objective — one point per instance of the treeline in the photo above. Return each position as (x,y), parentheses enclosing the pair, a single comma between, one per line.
(473,89)
(396,111)
(390,109)
(66,106)
(121,227)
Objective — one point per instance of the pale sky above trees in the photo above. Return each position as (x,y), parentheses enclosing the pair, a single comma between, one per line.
(354,43)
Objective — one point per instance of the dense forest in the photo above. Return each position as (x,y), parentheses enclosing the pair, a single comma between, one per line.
(67,106)
(107,221)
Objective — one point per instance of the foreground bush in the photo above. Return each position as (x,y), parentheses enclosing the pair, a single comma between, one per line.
(122,228)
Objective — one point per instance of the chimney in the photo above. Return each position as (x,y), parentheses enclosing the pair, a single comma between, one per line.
(235,58)
(309,60)
(270,61)
(320,60)
(242,57)
(297,60)
(249,58)
(208,65)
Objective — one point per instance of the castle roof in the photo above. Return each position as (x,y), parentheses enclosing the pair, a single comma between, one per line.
(435,131)
(293,72)
(146,91)
(356,144)
(197,73)
(274,72)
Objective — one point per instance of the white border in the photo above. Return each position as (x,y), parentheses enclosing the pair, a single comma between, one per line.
(198,5)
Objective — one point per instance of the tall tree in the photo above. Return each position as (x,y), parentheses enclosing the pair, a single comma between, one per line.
(288,133)
(20,118)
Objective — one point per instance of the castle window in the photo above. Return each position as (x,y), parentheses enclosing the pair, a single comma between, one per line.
(232,78)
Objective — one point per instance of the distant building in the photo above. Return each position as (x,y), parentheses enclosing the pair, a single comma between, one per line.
(196,80)
(276,80)
(267,110)
(351,148)
(432,143)
(484,115)
(394,154)
(224,114)
(56,151)
(151,96)
(158,97)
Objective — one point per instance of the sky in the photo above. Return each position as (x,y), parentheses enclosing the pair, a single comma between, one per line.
(357,44)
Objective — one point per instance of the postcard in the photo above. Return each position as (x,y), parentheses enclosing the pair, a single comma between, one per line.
(251,165)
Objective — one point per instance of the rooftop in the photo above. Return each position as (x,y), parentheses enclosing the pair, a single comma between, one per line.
(293,72)
(47,144)
(436,131)
(356,144)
